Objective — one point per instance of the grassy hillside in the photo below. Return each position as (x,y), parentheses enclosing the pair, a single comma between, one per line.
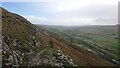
(19,38)
(25,44)
(101,40)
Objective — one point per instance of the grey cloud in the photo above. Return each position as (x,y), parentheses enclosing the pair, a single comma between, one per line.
(93,10)
(102,13)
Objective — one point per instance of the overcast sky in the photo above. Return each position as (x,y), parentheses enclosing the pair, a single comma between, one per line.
(66,12)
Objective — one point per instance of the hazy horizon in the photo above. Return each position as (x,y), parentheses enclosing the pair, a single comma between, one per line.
(76,25)
(67,13)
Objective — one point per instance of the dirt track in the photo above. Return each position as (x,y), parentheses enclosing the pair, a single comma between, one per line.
(81,57)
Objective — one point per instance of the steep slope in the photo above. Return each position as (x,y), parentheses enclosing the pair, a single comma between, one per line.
(25,44)
(101,40)
(19,38)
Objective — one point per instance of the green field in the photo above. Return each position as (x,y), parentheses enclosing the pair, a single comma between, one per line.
(101,40)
